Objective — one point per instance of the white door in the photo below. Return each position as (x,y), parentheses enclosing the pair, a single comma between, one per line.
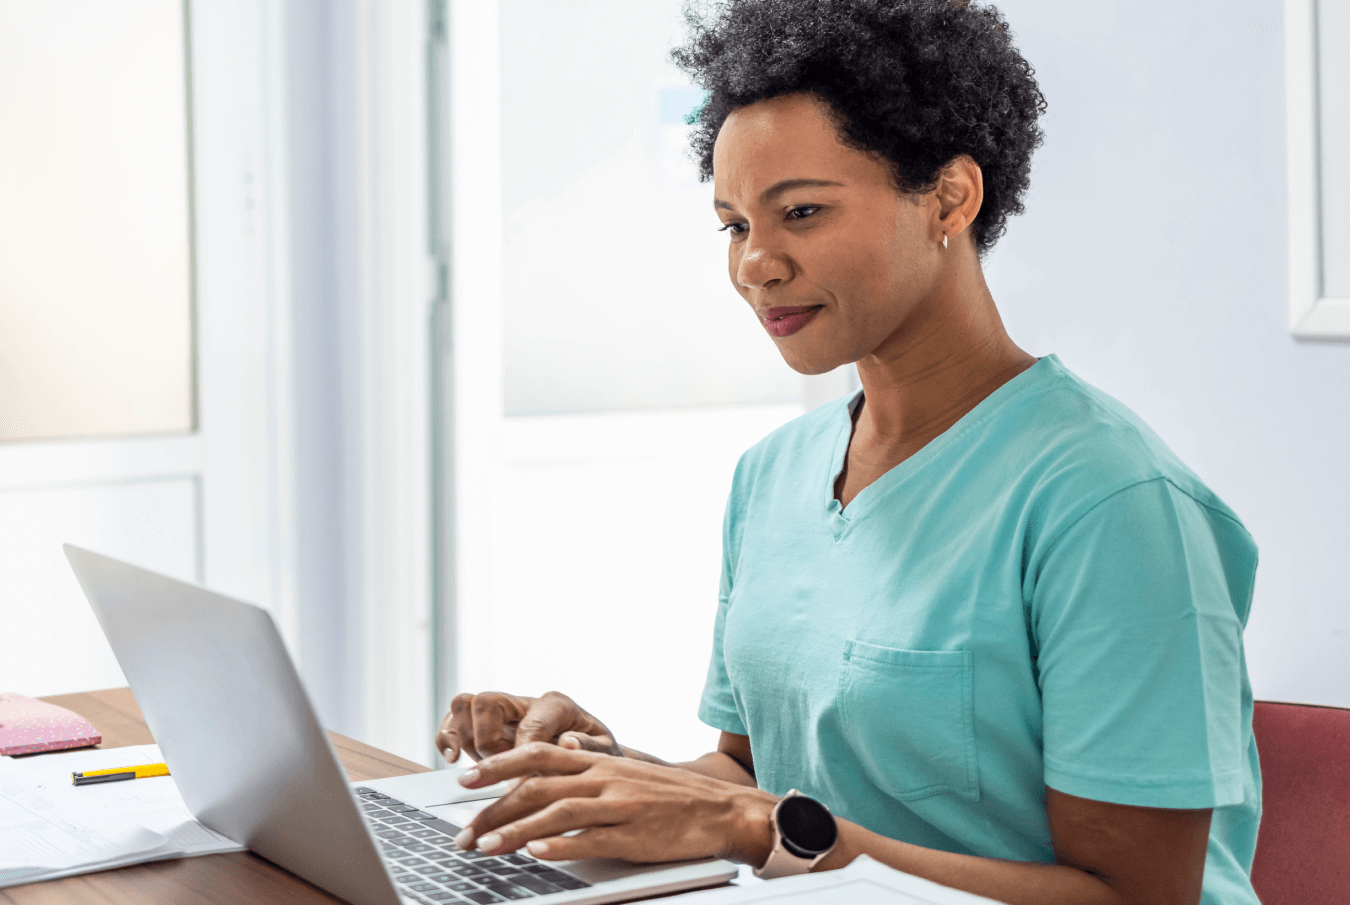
(606,375)
(156,123)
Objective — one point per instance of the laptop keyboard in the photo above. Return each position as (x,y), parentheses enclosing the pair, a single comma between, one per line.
(429,868)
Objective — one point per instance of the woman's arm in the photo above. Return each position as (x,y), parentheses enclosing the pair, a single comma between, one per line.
(731,762)
(1105,853)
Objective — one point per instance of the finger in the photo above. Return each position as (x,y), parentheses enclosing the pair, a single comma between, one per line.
(547,716)
(448,744)
(559,817)
(530,795)
(491,712)
(447,739)
(580,741)
(597,842)
(534,758)
(461,724)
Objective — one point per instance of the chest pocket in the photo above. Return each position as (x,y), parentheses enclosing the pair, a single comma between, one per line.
(909,718)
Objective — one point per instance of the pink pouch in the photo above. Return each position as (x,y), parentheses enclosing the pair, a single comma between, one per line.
(28,726)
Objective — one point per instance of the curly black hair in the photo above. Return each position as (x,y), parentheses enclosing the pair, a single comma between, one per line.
(917,82)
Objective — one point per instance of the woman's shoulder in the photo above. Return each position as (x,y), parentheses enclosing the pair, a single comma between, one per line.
(1078,446)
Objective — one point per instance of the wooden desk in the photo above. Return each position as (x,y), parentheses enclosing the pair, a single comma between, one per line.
(235,877)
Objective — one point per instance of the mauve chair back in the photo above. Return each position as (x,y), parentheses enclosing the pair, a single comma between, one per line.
(1303,848)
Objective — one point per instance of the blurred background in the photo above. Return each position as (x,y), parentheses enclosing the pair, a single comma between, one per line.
(409,321)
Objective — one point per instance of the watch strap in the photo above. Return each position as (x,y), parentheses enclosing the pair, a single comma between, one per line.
(781,861)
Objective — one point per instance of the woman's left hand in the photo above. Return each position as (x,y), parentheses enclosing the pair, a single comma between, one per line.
(625,808)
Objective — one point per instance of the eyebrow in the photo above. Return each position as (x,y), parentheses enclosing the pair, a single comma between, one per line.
(779,188)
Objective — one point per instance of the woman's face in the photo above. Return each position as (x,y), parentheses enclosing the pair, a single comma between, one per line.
(832,258)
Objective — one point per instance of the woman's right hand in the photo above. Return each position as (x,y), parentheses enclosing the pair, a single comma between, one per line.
(492,722)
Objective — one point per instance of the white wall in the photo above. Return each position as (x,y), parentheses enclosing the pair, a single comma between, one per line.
(1152,260)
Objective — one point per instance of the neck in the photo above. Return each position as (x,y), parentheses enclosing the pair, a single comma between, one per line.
(947,357)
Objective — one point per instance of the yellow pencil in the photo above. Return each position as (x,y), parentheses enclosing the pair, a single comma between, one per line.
(116,774)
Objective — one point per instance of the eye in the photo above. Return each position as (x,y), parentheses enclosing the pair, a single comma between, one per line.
(801,213)
(734,228)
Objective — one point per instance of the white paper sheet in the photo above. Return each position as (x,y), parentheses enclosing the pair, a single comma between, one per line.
(50,828)
(864,882)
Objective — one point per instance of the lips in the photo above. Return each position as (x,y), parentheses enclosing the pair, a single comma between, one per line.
(787,321)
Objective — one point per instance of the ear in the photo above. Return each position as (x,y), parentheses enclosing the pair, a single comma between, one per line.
(959,194)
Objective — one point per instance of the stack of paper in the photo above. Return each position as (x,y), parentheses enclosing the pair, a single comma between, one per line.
(864,882)
(50,828)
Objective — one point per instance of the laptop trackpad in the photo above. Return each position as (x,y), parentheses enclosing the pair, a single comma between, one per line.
(436,787)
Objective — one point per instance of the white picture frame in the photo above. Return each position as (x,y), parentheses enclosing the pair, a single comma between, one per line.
(1313,314)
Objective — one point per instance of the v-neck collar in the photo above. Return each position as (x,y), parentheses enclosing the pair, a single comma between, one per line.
(839,519)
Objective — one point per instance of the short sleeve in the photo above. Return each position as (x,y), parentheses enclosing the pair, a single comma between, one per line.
(1137,615)
(718,705)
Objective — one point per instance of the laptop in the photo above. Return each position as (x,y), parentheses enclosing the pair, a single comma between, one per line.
(224,702)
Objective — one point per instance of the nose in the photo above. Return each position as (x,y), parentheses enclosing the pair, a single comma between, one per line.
(761,265)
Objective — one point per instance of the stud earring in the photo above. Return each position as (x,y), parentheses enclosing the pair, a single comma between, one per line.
(944,240)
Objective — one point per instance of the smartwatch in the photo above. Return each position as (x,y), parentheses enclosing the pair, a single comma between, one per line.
(804,832)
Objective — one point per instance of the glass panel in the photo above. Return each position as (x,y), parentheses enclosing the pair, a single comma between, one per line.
(95,254)
(1333,88)
(615,290)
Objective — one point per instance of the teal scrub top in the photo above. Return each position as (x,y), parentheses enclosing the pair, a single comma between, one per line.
(1044,595)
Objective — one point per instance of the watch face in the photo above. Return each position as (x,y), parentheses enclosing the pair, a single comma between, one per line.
(806,826)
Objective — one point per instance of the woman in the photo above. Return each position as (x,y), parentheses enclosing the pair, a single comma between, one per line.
(979,610)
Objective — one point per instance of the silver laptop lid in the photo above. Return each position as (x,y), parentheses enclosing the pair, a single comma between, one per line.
(226,706)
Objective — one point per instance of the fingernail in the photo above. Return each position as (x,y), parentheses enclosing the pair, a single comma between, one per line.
(469,777)
(537,847)
(448,759)
(465,839)
(490,843)
(569,741)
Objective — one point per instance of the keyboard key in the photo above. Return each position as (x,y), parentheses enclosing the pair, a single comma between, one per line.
(444,826)
(411,861)
(567,881)
(483,897)
(428,869)
(516,858)
(536,883)
(459,885)
(509,891)
(418,847)
(402,808)
(426,834)
(444,897)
